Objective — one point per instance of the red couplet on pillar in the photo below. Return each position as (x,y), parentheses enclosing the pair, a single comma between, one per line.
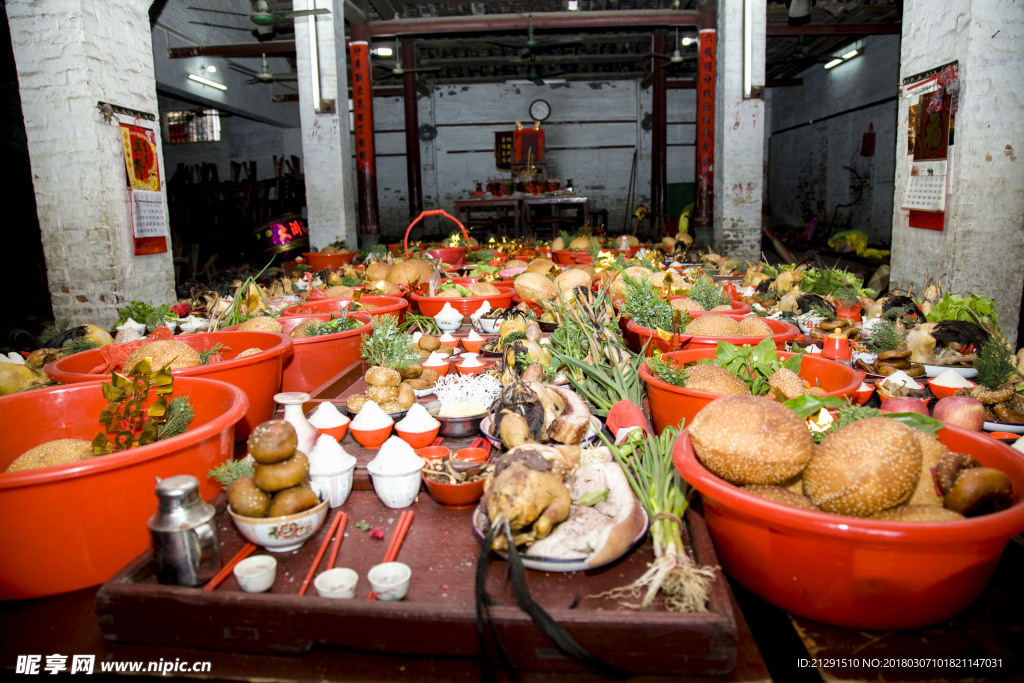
(705,128)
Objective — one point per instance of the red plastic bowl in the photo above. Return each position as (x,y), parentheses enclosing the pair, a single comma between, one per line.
(467,305)
(259,375)
(455,495)
(433,452)
(76,525)
(314,360)
(940,391)
(452,255)
(670,403)
(474,370)
(564,257)
(418,439)
(636,336)
(852,572)
(322,309)
(371,438)
(318,261)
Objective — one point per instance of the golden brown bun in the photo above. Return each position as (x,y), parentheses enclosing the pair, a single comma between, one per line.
(378,270)
(533,286)
(751,440)
(56,452)
(714,325)
(261,323)
(281,475)
(272,441)
(919,513)
(865,467)
(685,304)
(483,289)
(714,379)
(777,494)
(753,326)
(164,351)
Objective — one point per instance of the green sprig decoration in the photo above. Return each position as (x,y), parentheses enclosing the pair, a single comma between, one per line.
(994,362)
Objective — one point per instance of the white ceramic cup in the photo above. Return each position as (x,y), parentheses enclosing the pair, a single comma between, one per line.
(256,574)
(337,583)
(390,580)
(396,490)
(334,487)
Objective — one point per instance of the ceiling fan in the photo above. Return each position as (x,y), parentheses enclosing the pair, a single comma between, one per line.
(398,69)
(265,15)
(677,58)
(534,44)
(264,75)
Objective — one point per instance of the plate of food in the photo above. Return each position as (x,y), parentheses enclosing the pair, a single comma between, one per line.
(593,535)
(997,426)
(965,371)
(487,429)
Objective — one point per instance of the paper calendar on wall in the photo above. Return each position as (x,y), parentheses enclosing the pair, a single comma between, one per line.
(926,189)
(149,225)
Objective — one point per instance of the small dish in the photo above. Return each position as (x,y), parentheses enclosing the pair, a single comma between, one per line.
(449,324)
(256,574)
(418,439)
(371,438)
(441,368)
(337,584)
(1009,427)
(471,370)
(281,534)
(337,433)
(472,345)
(390,580)
(488,325)
(942,391)
(1004,436)
(936,370)
(861,396)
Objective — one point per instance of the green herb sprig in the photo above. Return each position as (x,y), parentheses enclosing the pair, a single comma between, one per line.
(885,336)
(322,327)
(644,306)
(994,362)
(227,472)
(387,345)
(671,372)
(709,295)
(179,416)
(206,354)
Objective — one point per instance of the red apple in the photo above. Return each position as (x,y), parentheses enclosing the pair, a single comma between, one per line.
(962,411)
(903,404)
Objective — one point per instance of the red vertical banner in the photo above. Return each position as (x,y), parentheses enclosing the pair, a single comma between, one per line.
(362,122)
(705,143)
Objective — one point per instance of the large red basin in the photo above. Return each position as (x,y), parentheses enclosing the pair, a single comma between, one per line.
(76,525)
(314,360)
(636,337)
(322,309)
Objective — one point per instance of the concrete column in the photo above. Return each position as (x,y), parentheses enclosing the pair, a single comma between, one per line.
(981,248)
(326,148)
(739,132)
(70,55)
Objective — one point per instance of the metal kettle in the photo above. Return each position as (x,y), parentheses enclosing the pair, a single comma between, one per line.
(183,532)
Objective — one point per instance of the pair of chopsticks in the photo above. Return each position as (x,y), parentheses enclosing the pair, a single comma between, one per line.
(226,570)
(335,530)
(404,521)
(481,442)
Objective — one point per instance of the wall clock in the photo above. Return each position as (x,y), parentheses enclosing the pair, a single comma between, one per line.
(539,110)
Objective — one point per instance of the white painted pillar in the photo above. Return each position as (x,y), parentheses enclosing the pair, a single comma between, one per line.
(326,148)
(70,55)
(739,130)
(981,248)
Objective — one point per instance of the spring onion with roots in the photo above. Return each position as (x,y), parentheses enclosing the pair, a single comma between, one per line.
(647,463)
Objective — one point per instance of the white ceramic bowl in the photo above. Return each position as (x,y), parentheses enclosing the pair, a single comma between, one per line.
(488,325)
(333,487)
(256,574)
(281,534)
(390,580)
(936,370)
(395,490)
(338,583)
(449,324)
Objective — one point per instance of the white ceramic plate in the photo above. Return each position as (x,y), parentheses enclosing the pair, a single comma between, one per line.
(420,393)
(1011,427)
(548,564)
(936,370)
(486,428)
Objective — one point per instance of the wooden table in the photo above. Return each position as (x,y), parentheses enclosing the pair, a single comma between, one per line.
(534,214)
(501,213)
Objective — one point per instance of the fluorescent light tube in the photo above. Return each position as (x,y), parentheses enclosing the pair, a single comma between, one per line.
(206,81)
(834,62)
(851,54)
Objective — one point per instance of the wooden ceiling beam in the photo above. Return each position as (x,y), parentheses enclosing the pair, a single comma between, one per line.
(270,47)
(503,23)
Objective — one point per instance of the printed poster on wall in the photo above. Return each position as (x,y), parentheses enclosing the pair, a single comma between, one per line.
(149,222)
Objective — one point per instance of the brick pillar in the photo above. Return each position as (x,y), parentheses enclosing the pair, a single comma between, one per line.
(70,55)
(739,133)
(326,150)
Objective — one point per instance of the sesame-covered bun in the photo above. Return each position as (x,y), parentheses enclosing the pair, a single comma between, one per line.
(714,379)
(865,467)
(777,494)
(751,440)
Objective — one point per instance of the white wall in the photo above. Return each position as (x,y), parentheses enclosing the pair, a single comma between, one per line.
(816,131)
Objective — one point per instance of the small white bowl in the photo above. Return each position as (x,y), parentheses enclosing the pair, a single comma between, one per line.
(333,487)
(395,490)
(448,324)
(281,534)
(390,580)
(256,574)
(131,324)
(338,583)
(488,325)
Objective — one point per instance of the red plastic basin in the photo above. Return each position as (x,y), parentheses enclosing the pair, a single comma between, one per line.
(671,403)
(322,309)
(852,572)
(259,376)
(565,257)
(76,525)
(451,255)
(432,305)
(314,360)
(637,336)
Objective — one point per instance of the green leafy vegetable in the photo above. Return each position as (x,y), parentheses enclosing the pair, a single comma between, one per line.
(644,306)
(136,310)
(417,321)
(206,354)
(362,526)
(227,472)
(387,345)
(840,284)
(928,425)
(809,404)
(754,365)
(668,371)
(955,307)
(179,416)
(332,326)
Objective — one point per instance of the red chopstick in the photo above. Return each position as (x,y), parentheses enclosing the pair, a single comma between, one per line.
(481,442)
(217,580)
(338,535)
(335,521)
(396,540)
(438,441)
